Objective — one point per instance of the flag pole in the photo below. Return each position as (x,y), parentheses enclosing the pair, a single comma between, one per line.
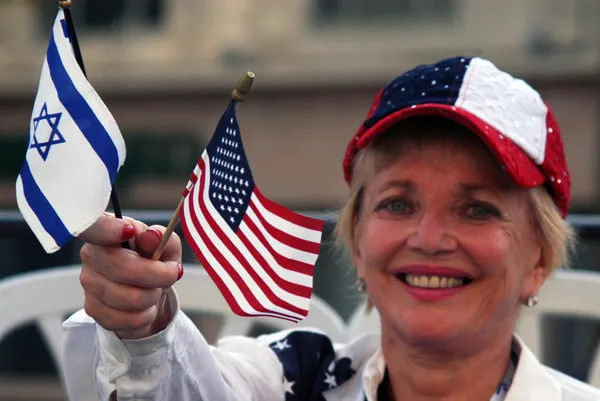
(66,6)
(238,95)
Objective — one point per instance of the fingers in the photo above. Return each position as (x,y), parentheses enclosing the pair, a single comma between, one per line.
(127,267)
(110,231)
(125,291)
(118,296)
(118,320)
(148,241)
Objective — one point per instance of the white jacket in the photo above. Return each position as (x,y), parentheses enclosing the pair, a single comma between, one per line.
(178,364)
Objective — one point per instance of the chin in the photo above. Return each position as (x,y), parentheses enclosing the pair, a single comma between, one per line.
(436,327)
(427,324)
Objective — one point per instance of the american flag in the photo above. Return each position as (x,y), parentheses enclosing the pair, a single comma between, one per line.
(260,255)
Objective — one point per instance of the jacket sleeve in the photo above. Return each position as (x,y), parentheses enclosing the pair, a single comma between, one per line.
(175,364)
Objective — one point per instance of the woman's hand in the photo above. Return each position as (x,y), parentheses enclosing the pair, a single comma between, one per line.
(126,291)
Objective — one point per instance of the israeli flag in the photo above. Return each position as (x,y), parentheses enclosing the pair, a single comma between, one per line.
(75,150)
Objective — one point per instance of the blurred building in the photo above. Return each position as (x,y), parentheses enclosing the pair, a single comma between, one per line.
(166,67)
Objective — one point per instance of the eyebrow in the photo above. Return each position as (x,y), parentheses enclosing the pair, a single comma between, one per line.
(402,184)
(467,189)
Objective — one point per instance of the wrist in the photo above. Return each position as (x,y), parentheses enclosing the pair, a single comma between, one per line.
(166,309)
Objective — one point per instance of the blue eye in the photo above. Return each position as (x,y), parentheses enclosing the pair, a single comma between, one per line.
(482,211)
(395,206)
(398,206)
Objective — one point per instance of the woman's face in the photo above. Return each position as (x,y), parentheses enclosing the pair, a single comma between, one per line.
(447,246)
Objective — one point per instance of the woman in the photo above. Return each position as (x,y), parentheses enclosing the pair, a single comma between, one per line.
(458,193)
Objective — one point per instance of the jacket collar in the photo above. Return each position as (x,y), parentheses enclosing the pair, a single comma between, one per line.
(531,381)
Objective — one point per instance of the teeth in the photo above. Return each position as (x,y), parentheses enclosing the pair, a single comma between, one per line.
(433,281)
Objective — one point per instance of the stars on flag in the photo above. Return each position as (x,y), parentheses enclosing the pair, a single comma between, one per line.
(310,365)
(53,138)
(281,345)
(260,254)
(288,386)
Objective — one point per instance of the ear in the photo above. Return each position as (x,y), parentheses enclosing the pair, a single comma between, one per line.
(536,277)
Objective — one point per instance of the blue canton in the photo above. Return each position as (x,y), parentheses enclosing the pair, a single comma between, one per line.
(432,83)
(309,366)
(54,138)
(231,182)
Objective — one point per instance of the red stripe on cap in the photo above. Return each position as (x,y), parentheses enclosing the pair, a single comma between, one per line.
(555,165)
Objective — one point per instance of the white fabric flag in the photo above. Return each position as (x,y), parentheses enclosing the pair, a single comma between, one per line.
(75,150)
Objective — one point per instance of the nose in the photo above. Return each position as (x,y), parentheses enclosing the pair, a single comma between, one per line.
(432,235)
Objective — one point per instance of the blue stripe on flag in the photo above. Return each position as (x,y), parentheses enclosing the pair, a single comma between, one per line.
(81,112)
(63,24)
(44,211)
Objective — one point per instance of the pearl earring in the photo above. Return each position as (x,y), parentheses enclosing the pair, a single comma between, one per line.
(531,301)
(360,285)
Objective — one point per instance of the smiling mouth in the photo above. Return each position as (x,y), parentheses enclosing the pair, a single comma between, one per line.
(433,281)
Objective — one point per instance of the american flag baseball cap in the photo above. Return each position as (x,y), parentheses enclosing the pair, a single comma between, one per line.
(508,115)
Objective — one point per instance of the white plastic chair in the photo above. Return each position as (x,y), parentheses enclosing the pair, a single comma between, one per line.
(362,322)
(567,293)
(47,296)
(198,293)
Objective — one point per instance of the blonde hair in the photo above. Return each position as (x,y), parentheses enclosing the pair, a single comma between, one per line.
(556,234)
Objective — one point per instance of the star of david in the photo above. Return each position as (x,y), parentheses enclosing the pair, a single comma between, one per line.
(55,136)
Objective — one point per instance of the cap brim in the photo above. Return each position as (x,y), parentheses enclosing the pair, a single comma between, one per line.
(512,159)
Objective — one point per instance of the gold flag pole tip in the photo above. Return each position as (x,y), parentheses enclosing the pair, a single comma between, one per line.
(64,3)
(243,87)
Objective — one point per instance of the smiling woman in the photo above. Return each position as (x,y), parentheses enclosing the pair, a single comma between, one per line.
(459,191)
(466,182)
(447,244)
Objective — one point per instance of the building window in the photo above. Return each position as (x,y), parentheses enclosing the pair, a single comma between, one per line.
(170,156)
(12,154)
(376,11)
(108,15)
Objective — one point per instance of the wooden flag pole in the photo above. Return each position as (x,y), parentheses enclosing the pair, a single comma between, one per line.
(238,95)
(65,5)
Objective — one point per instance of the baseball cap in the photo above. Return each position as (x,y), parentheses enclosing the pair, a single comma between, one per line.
(508,115)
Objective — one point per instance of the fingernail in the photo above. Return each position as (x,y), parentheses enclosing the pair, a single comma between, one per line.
(179,271)
(155,232)
(128,233)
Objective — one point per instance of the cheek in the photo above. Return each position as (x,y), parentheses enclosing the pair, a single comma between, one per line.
(491,250)
(498,254)
(380,241)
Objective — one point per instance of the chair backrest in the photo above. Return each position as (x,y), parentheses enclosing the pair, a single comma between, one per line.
(567,293)
(362,321)
(47,296)
(198,293)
